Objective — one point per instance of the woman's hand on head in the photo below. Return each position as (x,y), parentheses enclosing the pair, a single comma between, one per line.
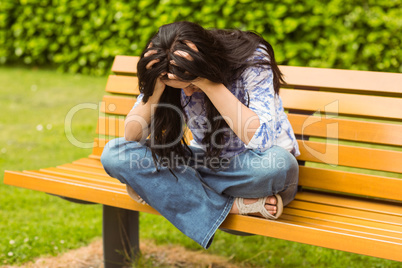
(173,81)
(198,83)
(150,53)
(159,84)
(170,79)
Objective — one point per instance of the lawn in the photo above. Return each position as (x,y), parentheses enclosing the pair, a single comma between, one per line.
(35,103)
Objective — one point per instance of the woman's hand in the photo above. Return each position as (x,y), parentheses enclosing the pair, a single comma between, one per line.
(205,84)
(199,84)
(159,85)
(172,80)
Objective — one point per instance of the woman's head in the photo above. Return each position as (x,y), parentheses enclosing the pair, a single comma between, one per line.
(205,51)
(188,51)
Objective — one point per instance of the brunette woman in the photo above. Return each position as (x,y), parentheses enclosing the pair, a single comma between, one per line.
(223,85)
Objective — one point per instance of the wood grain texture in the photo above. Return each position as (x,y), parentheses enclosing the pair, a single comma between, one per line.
(125,64)
(346,129)
(339,103)
(352,183)
(342,79)
(122,84)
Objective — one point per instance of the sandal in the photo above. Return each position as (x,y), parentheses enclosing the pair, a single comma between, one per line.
(259,207)
(134,195)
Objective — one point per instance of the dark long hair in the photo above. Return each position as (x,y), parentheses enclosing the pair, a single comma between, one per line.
(221,58)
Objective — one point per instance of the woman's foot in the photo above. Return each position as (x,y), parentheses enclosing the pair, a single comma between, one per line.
(134,195)
(268,207)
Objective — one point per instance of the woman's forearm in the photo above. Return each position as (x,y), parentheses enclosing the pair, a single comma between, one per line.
(136,124)
(242,120)
(138,120)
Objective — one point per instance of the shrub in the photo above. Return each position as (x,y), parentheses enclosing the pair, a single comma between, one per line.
(84,36)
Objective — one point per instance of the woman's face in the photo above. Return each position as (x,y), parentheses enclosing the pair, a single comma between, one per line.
(187,87)
(175,83)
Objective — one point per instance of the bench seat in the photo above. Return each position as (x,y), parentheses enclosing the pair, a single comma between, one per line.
(329,220)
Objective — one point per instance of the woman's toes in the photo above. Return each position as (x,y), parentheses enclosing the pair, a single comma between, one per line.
(271,209)
(271,200)
(270,204)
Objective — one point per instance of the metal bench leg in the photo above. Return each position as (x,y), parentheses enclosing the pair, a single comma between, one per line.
(120,236)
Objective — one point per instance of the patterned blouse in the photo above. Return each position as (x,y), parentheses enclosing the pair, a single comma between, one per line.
(254,89)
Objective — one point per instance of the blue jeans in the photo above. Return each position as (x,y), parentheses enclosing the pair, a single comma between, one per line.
(197,199)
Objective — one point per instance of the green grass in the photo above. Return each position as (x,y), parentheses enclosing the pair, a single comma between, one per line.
(35,103)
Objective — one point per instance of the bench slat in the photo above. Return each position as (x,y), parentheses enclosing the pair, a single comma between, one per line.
(351,202)
(122,84)
(345,221)
(129,84)
(349,182)
(110,126)
(85,169)
(351,230)
(348,104)
(81,175)
(347,212)
(338,103)
(125,64)
(381,133)
(309,77)
(117,105)
(342,79)
(47,176)
(351,156)
(354,130)
(73,188)
(101,181)
(88,162)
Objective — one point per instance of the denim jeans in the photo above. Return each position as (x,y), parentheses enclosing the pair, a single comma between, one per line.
(197,199)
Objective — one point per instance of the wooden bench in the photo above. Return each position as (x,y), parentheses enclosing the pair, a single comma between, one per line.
(350,134)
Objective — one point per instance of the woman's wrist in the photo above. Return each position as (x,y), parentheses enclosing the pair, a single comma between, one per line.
(207,86)
(158,91)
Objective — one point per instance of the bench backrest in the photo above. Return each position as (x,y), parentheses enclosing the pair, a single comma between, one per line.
(348,125)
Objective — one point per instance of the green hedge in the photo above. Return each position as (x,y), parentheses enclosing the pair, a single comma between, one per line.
(84,36)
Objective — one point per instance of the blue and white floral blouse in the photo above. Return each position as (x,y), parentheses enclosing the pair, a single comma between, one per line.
(254,89)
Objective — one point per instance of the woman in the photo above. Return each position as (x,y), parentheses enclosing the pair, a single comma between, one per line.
(223,84)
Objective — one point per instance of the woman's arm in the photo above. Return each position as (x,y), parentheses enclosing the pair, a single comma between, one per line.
(241,119)
(139,118)
(257,124)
